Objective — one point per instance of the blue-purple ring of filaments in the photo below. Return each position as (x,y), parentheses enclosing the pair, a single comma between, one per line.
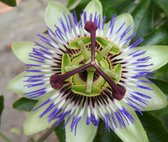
(65,103)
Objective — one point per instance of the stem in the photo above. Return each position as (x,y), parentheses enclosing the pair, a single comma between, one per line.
(45,135)
(4,137)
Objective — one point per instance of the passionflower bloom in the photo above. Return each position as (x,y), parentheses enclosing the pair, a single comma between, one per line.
(84,70)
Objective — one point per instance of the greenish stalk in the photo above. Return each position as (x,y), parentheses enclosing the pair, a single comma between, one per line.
(45,135)
(89,81)
(103,52)
(72,67)
(84,50)
(3,137)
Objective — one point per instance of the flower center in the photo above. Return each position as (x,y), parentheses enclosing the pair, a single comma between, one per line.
(92,64)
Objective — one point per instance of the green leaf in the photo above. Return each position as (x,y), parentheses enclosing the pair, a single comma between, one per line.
(163,5)
(163,85)
(9,2)
(1,106)
(60,132)
(103,135)
(161,74)
(139,14)
(130,8)
(81,6)
(155,130)
(163,113)
(73,3)
(110,7)
(158,36)
(146,23)
(24,104)
(70,3)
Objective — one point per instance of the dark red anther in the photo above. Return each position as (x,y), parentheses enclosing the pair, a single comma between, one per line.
(56,81)
(118,90)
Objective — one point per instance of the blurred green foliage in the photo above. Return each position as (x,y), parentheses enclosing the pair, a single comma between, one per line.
(24,104)
(1,106)
(9,2)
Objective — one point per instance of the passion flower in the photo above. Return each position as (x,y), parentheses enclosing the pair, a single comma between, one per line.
(84,70)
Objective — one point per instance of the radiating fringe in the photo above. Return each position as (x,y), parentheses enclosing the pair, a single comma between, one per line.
(47,56)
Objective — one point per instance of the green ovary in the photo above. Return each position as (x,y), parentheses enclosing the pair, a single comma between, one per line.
(88,82)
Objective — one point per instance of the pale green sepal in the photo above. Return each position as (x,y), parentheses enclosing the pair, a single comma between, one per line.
(54,11)
(22,50)
(121,19)
(134,132)
(158,54)
(158,99)
(17,85)
(94,7)
(84,132)
(33,123)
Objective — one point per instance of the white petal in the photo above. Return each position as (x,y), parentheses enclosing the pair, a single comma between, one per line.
(158,54)
(22,50)
(158,99)
(94,7)
(54,11)
(133,132)
(120,20)
(33,123)
(17,85)
(84,132)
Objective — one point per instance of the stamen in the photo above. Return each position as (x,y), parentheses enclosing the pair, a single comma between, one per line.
(91,27)
(90,77)
(103,52)
(58,80)
(83,50)
(72,67)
